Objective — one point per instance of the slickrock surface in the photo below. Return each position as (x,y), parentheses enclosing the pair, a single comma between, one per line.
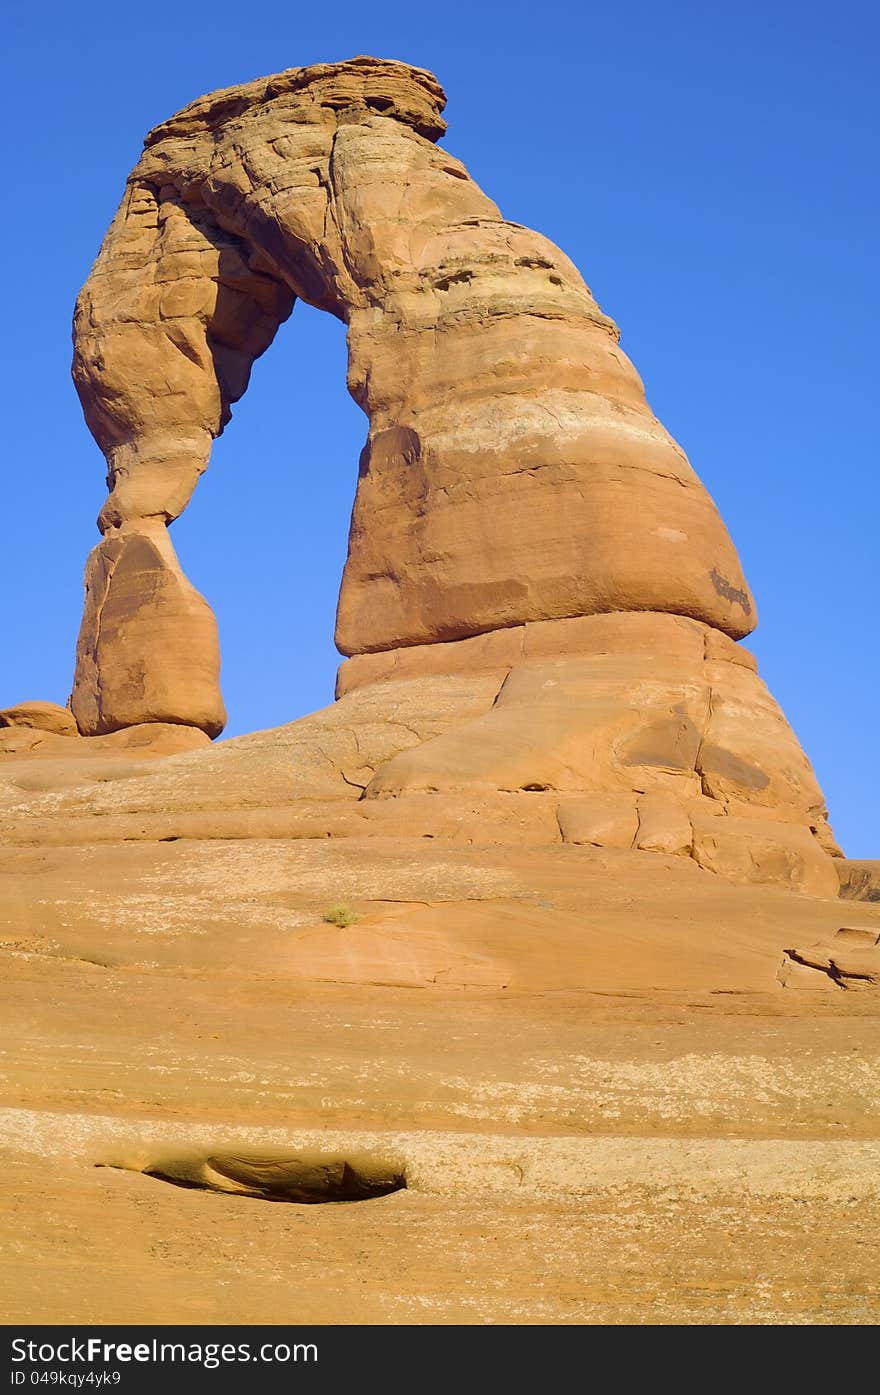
(534,953)
(655,735)
(609,1103)
(620,1086)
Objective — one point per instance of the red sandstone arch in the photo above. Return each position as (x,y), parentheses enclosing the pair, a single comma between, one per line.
(513,471)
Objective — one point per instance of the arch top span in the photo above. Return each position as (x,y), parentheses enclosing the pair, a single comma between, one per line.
(385,86)
(513,471)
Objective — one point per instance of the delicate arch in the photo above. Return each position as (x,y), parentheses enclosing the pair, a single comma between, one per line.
(513,471)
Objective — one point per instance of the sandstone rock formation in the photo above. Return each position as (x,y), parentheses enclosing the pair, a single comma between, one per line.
(148,642)
(608,1105)
(555,793)
(522,521)
(513,471)
(850,958)
(40,716)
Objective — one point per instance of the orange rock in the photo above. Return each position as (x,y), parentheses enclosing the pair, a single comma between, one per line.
(859,878)
(664,827)
(40,716)
(536,578)
(147,649)
(753,850)
(599,820)
(513,471)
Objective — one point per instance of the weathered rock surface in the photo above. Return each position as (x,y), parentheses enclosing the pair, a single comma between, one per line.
(849,959)
(607,1107)
(40,716)
(39,761)
(859,878)
(521,518)
(513,471)
(582,856)
(640,743)
(148,648)
(644,717)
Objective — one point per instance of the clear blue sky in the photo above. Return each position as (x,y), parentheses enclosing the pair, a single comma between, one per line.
(711,169)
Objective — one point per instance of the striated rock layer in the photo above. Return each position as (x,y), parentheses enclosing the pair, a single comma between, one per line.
(519,510)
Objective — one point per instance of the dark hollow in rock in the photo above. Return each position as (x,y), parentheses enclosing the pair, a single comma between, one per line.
(303,1178)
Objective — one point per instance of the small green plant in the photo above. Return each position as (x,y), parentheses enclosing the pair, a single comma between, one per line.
(340,915)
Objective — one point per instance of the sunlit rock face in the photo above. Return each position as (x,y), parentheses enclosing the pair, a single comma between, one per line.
(513,471)
(521,518)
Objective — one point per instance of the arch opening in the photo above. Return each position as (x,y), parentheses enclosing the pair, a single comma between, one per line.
(265,534)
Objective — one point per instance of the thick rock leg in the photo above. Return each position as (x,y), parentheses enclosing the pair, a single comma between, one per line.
(147,649)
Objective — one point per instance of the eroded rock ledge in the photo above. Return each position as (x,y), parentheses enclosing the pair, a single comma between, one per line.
(643,732)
